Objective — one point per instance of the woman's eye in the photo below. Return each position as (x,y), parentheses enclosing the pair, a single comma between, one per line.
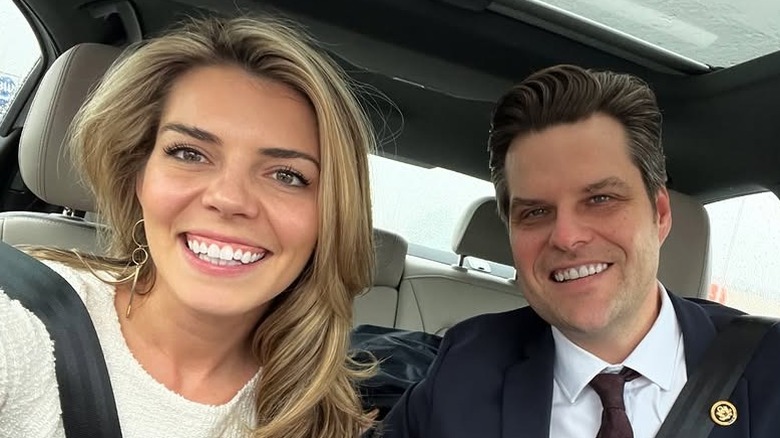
(186,154)
(291,178)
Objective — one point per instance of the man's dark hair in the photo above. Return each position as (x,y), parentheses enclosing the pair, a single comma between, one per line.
(567,94)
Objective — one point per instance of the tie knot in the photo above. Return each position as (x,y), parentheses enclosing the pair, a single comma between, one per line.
(609,387)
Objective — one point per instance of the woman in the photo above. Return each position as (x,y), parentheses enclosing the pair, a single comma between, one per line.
(229,160)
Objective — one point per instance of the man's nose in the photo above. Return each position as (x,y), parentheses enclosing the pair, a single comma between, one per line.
(569,231)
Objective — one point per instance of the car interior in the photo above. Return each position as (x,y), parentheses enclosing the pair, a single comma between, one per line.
(434,69)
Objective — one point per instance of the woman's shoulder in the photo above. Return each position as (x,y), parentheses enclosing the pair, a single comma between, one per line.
(23,335)
(21,329)
(28,383)
(29,398)
(88,284)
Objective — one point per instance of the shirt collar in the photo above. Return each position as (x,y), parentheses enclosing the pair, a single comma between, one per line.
(655,358)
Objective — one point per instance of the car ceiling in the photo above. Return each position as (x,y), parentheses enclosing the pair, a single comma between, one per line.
(435,67)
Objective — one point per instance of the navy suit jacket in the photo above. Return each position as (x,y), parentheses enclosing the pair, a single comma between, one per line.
(493,378)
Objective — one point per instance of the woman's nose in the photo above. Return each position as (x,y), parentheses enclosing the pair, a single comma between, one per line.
(229,195)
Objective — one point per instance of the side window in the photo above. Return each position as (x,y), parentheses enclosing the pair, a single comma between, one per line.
(20,52)
(745,252)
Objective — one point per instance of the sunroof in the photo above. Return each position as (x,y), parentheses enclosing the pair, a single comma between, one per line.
(718,33)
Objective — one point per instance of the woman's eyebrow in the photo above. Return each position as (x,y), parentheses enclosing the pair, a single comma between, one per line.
(192,131)
(203,135)
(288,153)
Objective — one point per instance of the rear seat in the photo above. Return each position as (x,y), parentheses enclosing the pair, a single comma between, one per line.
(419,294)
(433,296)
(378,304)
(684,267)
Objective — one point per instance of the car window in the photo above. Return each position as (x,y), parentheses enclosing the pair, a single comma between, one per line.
(20,52)
(745,253)
(424,205)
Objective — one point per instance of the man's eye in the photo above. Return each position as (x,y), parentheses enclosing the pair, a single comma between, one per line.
(536,212)
(600,199)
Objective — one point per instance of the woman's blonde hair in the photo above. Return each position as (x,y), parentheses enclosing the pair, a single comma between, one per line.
(307,387)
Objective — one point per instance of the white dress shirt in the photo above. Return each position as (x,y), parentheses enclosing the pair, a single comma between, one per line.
(659,358)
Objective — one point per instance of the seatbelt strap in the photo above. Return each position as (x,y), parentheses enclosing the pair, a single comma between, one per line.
(86,397)
(714,380)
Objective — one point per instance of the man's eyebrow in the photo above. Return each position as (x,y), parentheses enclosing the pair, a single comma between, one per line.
(288,153)
(611,182)
(192,131)
(522,202)
(516,203)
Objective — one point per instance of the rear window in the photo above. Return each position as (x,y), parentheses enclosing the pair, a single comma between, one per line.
(745,253)
(424,205)
(20,53)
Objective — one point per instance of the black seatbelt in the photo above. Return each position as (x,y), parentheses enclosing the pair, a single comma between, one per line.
(86,397)
(721,367)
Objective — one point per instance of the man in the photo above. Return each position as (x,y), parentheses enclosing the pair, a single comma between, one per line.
(579,172)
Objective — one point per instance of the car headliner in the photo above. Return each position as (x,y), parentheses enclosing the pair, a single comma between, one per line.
(444,62)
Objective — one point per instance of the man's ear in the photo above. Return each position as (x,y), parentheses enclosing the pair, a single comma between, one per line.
(663,208)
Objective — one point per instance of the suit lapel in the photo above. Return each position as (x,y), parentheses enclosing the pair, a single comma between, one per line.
(528,385)
(697,329)
(699,332)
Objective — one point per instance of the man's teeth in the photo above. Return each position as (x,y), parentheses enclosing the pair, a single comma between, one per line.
(579,272)
(224,256)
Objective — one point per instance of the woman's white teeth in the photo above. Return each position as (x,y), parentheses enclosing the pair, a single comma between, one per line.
(223,255)
(579,272)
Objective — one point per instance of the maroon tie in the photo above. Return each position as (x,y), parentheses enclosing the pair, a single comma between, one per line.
(609,387)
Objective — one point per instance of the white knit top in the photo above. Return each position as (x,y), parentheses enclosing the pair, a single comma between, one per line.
(29,401)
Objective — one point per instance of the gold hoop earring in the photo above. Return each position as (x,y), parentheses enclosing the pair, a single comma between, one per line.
(139,258)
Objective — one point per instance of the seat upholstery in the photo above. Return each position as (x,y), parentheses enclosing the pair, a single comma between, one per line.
(481,233)
(684,267)
(433,297)
(378,304)
(43,153)
(41,229)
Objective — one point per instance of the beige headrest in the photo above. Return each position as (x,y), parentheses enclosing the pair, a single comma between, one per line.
(43,157)
(684,267)
(481,233)
(390,250)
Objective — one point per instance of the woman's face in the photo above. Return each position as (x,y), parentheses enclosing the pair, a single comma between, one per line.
(229,193)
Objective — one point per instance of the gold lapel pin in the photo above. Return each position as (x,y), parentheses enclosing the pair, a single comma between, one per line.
(723,413)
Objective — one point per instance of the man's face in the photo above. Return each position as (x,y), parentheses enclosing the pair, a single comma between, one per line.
(584,234)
